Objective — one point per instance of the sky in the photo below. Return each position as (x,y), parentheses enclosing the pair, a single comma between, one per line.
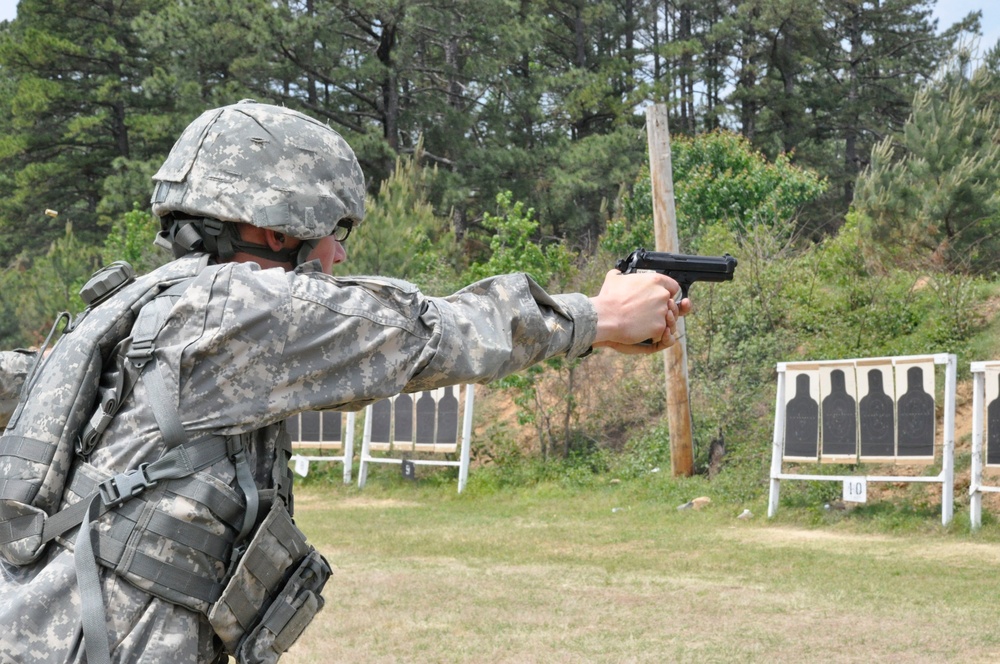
(946,11)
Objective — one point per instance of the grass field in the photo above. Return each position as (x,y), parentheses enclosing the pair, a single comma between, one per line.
(618,574)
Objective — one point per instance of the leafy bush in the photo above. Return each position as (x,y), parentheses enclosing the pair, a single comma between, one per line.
(720,182)
(513,247)
(131,240)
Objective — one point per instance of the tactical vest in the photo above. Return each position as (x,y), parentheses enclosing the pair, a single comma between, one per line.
(256,579)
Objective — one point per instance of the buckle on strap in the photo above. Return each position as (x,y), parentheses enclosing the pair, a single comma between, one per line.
(125,486)
(235,449)
(141,352)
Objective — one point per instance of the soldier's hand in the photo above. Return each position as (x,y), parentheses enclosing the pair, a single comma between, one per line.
(635,308)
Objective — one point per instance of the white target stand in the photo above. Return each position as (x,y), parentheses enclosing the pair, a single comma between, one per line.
(404,432)
(982,457)
(856,486)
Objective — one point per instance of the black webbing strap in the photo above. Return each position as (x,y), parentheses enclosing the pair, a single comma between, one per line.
(178,462)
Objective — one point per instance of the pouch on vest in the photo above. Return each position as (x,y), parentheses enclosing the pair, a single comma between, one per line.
(273,593)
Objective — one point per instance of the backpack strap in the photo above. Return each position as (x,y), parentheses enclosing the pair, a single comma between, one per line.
(143,357)
(174,464)
(181,461)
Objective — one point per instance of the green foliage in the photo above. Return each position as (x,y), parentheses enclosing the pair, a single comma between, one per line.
(573,471)
(513,249)
(853,308)
(719,181)
(131,240)
(931,195)
(646,453)
(722,179)
(402,237)
(34,291)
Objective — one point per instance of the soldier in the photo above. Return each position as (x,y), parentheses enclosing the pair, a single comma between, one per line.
(249,328)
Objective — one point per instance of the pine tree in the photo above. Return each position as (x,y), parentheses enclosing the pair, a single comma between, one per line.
(77,115)
(931,192)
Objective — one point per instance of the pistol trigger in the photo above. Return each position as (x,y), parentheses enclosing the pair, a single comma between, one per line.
(683,293)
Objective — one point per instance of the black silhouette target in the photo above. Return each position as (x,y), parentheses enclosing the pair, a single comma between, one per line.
(915,409)
(802,416)
(402,435)
(332,426)
(876,412)
(993,418)
(309,431)
(839,415)
(427,423)
(447,430)
(426,416)
(381,431)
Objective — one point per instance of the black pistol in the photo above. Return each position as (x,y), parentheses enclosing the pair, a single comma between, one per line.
(684,269)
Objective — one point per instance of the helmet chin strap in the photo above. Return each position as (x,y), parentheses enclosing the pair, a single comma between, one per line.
(305,249)
(185,234)
(293,256)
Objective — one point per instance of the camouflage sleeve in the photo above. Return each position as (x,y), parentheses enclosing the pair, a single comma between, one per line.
(14,367)
(359,339)
(256,346)
(498,326)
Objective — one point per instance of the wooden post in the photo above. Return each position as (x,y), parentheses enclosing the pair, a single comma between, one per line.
(665,228)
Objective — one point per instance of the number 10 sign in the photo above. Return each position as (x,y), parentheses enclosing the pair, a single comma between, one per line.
(855,490)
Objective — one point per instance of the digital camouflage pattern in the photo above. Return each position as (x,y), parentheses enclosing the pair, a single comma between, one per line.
(243,349)
(264,165)
(38,448)
(14,367)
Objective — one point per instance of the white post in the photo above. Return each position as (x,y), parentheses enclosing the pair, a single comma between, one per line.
(948,461)
(463,467)
(365,449)
(975,495)
(777,443)
(349,447)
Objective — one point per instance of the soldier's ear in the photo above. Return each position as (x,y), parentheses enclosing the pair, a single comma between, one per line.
(275,240)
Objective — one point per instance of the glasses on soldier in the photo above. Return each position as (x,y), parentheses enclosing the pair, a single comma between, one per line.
(342,230)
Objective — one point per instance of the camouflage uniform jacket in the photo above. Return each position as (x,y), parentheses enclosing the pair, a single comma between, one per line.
(246,348)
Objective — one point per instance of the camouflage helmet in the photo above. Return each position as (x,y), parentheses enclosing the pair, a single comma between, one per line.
(264,165)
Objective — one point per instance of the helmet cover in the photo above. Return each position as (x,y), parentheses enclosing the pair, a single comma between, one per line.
(265,165)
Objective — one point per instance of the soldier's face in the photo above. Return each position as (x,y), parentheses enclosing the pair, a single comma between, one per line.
(328,252)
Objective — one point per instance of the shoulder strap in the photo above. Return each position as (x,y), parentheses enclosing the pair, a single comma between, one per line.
(174,464)
(142,355)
